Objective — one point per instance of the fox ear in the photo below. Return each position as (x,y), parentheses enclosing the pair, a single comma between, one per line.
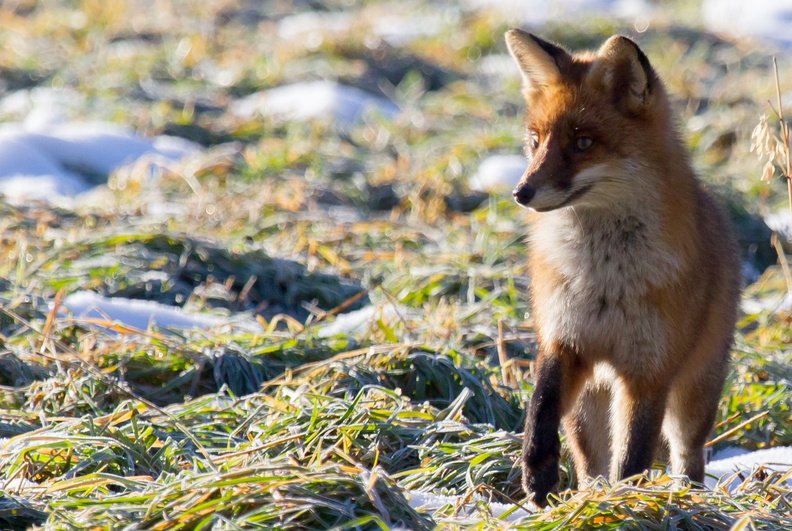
(540,61)
(625,71)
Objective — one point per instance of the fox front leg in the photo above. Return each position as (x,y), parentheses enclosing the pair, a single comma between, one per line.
(558,381)
(639,408)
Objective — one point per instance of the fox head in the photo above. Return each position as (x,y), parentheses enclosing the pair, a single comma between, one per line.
(595,123)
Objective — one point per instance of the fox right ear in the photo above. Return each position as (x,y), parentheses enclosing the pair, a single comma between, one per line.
(624,70)
(540,61)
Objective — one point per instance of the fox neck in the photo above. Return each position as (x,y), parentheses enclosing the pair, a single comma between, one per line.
(654,225)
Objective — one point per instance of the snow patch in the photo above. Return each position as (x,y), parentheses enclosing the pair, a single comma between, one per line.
(778,459)
(357,321)
(395,29)
(309,27)
(58,161)
(311,100)
(498,65)
(729,451)
(538,12)
(765,19)
(400,30)
(100,147)
(28,172)
(772,303)
(781,222)
(497,173)
(18,484)
(137,313)
(428,502)
(41,106)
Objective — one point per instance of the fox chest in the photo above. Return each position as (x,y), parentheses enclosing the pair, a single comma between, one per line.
(604,272)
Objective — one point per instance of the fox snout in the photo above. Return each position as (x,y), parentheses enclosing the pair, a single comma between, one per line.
(523,193)
(544,185)
(547,181)
(545,167)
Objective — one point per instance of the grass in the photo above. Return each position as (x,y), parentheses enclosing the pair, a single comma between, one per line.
(297,223)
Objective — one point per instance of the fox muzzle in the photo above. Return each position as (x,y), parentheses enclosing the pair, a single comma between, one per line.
(523,193)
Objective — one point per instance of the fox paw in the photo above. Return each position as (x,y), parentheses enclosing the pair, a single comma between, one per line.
(539,480)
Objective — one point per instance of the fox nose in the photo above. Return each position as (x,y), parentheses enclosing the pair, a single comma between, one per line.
(523,194)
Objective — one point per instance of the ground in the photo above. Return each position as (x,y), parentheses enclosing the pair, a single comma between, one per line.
(364,329)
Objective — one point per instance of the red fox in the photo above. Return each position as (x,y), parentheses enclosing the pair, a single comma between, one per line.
(635,275)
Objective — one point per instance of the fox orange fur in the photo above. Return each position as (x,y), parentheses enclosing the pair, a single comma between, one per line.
(635,275)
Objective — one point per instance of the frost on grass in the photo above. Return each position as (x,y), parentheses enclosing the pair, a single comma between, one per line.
(383,381)
(176,270)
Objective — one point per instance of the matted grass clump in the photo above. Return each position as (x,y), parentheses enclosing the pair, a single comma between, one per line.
(341,439)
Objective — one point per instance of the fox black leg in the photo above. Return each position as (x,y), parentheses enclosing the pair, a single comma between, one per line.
(555,391)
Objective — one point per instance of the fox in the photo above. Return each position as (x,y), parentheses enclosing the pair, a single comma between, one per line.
(634,270)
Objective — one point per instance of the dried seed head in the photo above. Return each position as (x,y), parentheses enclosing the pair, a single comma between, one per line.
(768,171)
(759,136)
(780,150)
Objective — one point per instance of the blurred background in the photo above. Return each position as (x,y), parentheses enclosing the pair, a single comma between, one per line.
(268,79)
(362,146)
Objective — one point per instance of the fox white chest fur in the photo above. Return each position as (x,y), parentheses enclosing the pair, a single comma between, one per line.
(608,262)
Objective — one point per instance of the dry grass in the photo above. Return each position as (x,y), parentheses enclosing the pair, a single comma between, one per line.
(228,428)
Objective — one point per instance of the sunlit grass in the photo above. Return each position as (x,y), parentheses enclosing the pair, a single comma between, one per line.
(279,426)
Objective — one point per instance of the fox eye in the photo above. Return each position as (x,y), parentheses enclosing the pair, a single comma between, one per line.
(582,143)
(533,139)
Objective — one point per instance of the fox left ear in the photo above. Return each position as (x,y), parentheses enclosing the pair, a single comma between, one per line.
(540,61)
(625,70)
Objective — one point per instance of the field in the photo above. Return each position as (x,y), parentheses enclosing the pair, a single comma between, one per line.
(369,335)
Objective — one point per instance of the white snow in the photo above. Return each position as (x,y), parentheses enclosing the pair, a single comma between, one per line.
(781,222)
(399,29)
(765,19)
(498,65)
(28,172)
(774,303)
(311,100)
(56,161)
(431,502)
(309,27)
(18,484)
(136,313)
(140,314)
(729,451)
(537,13)
(779,459)
(734,460)
(357,320)
(46,155)
(41,106)
(98,147)
(498,173)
